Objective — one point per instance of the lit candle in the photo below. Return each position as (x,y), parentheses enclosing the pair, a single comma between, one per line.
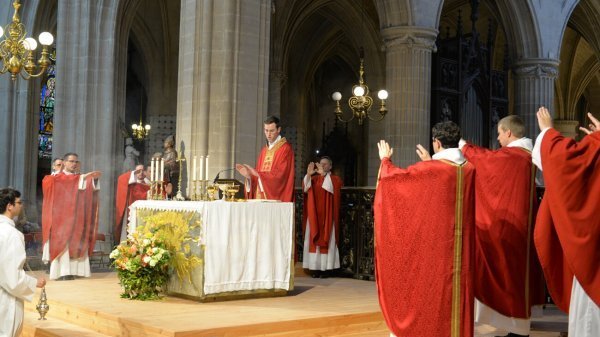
(152,169)
(162,168)
(201,167)
(194,176)
(206,177)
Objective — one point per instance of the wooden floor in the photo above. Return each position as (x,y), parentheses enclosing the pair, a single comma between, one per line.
(317,307)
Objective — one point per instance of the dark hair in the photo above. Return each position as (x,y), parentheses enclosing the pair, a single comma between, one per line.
(448,133)
(8,196)
(68,154)
(271,120)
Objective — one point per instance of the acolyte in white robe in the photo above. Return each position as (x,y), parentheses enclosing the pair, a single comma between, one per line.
(15,285)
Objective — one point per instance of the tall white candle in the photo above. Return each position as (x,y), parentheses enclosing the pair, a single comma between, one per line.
(201,167)
(194,176)
(162,169)
(152,169)
(206,174)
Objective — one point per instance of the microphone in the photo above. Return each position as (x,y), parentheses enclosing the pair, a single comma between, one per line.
(219,173)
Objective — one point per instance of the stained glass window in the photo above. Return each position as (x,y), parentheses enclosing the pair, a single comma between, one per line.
(46,120)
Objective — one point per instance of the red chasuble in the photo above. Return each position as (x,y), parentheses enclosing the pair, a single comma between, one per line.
(276,170)
(127,194)
(567,233)
(508,277)
(424,248)
(323,210)
(69,215)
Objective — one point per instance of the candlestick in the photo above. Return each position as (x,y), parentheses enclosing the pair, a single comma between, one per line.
(201,167)
(206,174)
(194,176)
(162,169)
(152,169)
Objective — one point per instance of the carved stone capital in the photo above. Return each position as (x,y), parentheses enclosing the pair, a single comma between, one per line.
(568,128)
(409,37)
(536,68)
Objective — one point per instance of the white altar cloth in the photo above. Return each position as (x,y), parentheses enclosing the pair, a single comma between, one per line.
(247,246)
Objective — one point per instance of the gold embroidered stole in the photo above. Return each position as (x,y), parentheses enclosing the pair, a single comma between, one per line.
(267,164)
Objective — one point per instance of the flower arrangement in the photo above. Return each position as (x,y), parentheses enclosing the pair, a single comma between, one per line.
(159,246)
(142,264)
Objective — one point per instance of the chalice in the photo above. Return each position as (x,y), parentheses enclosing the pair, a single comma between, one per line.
(223,188)
(232,190)
(211,189)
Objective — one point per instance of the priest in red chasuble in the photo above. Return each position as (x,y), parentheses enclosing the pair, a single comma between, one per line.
(424,239)
(508,277)
(131,186)
(69,219)
(320,218)
(567,233)
(273,177)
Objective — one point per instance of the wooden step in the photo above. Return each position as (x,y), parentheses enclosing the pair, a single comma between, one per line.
(32,327)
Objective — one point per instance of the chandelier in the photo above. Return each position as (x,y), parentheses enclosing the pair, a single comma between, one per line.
(360,103)
(140,131)
(17,51)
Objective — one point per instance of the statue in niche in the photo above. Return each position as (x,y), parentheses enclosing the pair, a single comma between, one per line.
(446,114)
(170,157)
(131,155)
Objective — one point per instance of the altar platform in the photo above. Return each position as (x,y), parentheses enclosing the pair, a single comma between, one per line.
(316,307)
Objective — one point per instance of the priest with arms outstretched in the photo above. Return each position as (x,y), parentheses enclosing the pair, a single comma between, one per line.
(131,186)
(273,177)
(424,240)
(567,232)
(69,220)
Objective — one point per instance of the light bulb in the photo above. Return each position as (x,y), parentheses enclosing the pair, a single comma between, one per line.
(358,91)
(30,43)
(382,94)
(336,96)
(147,127)
(46,38)
(134,126)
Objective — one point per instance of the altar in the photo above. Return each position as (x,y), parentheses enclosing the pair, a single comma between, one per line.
(245,248)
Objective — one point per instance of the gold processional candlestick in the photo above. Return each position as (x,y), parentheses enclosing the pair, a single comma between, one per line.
(180,160)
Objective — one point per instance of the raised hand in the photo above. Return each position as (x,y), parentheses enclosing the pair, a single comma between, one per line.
(385,151)
(544,118)
(320,169)
(310,169)
(593,127)
(423,153)
(243,170)
(252,170)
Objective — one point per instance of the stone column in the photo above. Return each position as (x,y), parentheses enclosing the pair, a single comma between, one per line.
(567,127)
(534,87)
(408,81)
(85,121)
(223,81)
(277,80)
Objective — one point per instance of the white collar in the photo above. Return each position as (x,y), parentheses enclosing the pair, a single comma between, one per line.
(524,142)
(453,154)
(4,218)
(275,142)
